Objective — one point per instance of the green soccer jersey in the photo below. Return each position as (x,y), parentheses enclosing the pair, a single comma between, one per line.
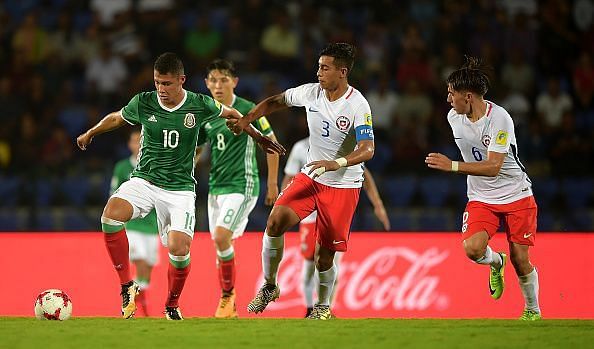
(169,136)
(233,158)
(121,173)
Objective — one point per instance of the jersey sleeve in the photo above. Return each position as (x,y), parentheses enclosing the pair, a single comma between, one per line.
(130,111)
(300,95)
(212,109)
(502,127)
(363,122)
(263,126)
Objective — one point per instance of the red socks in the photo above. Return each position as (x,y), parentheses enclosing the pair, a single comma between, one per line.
(177,279)
(117,246)
(227,274)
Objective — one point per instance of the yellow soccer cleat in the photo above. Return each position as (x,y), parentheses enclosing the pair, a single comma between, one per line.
(530,315)
(496,281)
(266,294)
(320,312)
(226,308)
(128,293)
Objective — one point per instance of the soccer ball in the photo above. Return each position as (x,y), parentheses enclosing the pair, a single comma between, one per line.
(53,304)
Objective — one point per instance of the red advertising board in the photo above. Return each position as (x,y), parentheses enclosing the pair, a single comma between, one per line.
(395,275)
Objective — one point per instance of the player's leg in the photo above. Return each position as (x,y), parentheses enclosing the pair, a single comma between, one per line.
(308,247)
(177,209)
(294,203)
(337,259)
(336,207)
(131,200)
(479,224)
(230,223)
(138,255)
(521,231)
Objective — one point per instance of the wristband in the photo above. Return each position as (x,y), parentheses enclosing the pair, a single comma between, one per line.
(454,166)
(342,162)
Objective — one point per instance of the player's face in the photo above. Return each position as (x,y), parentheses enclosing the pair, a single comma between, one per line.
(329,75)
(169,87)
(460,101)
(221,85)
(134,143)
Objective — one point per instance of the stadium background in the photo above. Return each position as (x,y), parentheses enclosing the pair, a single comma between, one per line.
(65,64)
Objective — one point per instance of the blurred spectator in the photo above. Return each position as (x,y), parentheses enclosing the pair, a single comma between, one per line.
(202,42)
(552,104)
(414,107)
(57,151)
(383,101)
(108,9)
(583,78)
(280,43)
(31,40)
(517,75)
(106,73)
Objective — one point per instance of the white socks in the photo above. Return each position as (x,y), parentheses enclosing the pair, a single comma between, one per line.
(529,286)
(327,279)
(491,258)
(272,254)
(308,281)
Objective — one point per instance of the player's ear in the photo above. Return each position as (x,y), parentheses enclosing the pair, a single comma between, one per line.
(343,72)
(182,79)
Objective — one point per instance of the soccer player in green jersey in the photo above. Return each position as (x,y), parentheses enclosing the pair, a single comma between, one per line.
(142,232)
(163,179)
(233,182)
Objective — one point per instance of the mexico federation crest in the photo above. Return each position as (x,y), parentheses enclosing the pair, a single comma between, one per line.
(486,140)
(343,123)
(189,120)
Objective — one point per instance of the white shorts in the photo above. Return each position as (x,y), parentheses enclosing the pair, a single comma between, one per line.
(230,211)
(176,210)
(143,247)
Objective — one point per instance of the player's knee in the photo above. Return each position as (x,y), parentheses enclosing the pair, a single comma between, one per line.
(118,209)
(222,242)
(274,226)
(474,252)
(520,261)
(178,247)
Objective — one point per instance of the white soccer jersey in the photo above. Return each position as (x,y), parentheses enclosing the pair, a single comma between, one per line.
(334,128)
(493,132)
(296,161)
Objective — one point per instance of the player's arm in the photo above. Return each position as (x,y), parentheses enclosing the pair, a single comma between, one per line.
(110,122)
(269,145)
(489,167)
(373,195)
(272,180)
(266,107)
(363,152)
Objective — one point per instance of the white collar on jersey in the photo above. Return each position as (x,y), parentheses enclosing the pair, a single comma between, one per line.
(177,106)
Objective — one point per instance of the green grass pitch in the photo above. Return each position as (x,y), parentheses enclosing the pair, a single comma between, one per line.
(106,333)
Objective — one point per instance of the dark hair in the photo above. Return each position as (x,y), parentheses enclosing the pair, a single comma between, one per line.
(343,53)
(169,63)
(472,77)
(222,65)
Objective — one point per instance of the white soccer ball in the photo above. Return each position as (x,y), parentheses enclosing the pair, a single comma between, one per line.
(53,304)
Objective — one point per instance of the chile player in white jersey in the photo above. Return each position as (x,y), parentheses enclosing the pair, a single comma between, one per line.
(498,186)
(307,227)
(341,139)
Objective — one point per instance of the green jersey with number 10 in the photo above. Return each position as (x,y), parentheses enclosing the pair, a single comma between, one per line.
(169,136)
(233,158)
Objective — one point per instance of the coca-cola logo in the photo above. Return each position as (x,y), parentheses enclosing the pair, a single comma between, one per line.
(397,278)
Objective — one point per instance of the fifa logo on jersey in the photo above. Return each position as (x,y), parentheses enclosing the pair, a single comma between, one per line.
(189,120)
(343,123)
(368,119)
(486,140)
(501,138)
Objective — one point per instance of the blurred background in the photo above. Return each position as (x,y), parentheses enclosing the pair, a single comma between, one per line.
(64,64)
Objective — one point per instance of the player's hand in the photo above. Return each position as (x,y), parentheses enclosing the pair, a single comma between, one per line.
(236,124)
(382,216)
(84,140)
(438,161)
(319,167)
(270,146)
(271,194)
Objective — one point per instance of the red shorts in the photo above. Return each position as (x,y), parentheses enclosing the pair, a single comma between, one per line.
(519,220)
(307,233)
(335,207)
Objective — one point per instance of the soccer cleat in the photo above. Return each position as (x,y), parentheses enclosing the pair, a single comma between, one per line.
(173,313)
(266,294)
(308,311)
(320,312)
(128,293)
(227,307)
(530,315)
(496,281)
